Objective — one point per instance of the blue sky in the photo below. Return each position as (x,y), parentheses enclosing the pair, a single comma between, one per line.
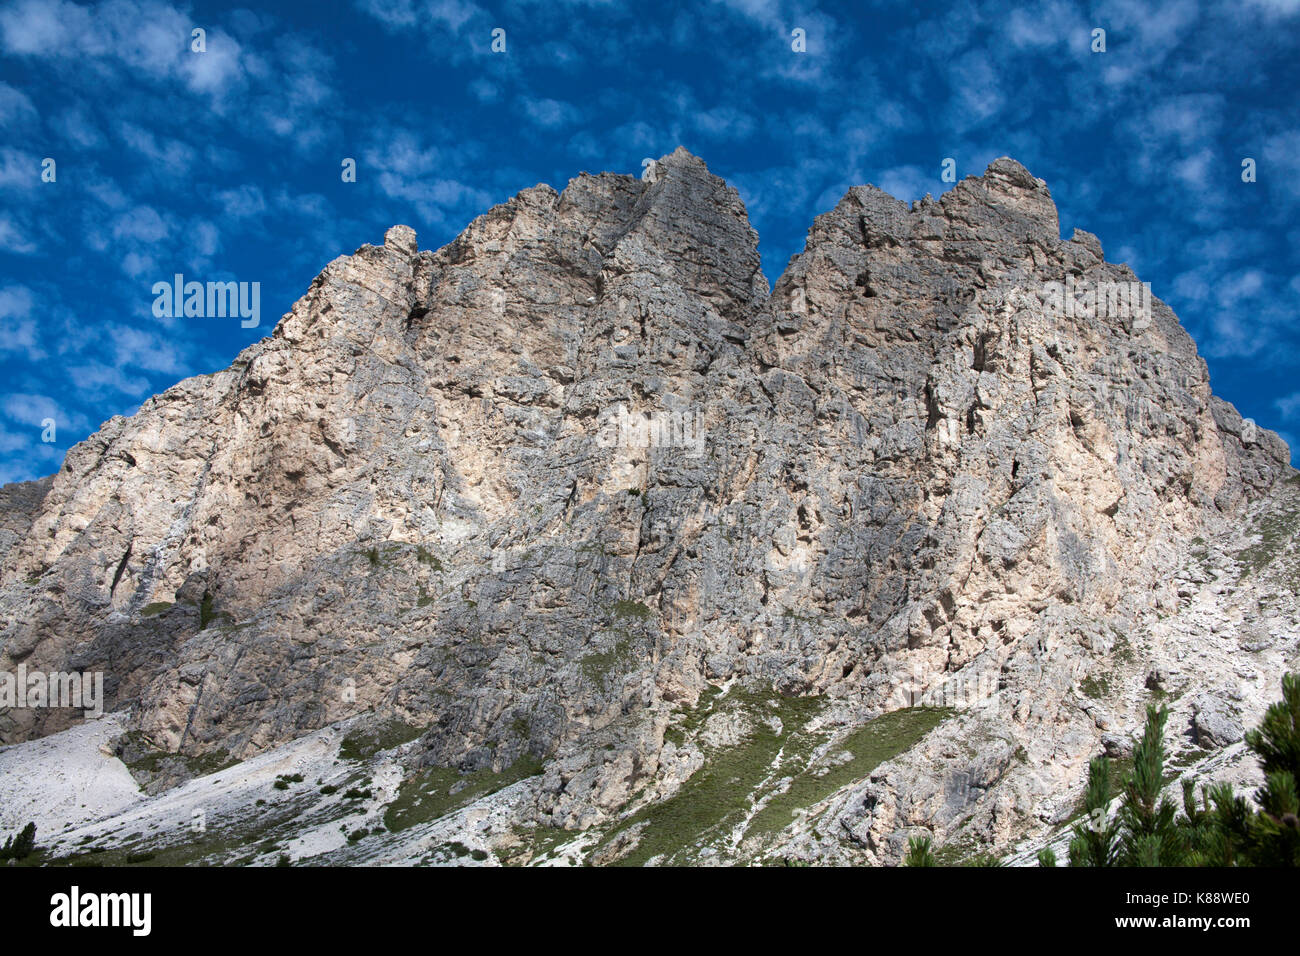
(226,164)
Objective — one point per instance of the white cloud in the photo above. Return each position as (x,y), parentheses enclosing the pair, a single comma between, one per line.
(1185,121)
(15,302)
(765,13)
(437,200)
(32,27)
(549,113)
(911,182)
(175,157)
(18,169)
(484,90)
(1276,8)
(143,223)
(98,380)
(1280,164)
(217,69)
(147,38)
(16,107)
(1224,245)
(77,126)
(242,203)
(977,91)
(144,349)
(205,238)
(137,264)
(32,410)
(107,192)
(13,238)
(21,332)
(1289,406)
(444,24)
(25,455)
(1195,170)
(1049,25)
(402,153)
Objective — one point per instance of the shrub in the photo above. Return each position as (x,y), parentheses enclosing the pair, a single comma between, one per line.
(919,853)
(20,847)
(1224,830)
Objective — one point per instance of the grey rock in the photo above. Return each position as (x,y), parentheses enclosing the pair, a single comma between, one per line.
(1214,722)
(545,489)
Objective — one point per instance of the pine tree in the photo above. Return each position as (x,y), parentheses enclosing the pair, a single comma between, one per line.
(1224,829)
(25,843)
(1273,835)
(1221,830)
(20,847)
(1218,830)
(919,853)
(1094,837)
(1149,822)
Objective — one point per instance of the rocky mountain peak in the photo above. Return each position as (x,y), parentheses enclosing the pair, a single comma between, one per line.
(401,239)
(556,491)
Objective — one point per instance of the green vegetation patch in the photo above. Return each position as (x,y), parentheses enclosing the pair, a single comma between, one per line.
(142,758)
(437,791)
(1122,650)
(208,614)
(425,556)
(1275,530)
(364,742)
(631,609)
(964,853)
(1096,686)
(719,794)
(538,844)
(601,665)
(793,615)
(688,722)
(382,556)
(870,745)
(724,791)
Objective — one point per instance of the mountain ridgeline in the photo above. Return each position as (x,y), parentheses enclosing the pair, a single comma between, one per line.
(712,572)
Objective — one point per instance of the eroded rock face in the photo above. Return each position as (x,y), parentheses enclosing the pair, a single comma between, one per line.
(540,489)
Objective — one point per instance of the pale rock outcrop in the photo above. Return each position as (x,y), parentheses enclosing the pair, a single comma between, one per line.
(423,496)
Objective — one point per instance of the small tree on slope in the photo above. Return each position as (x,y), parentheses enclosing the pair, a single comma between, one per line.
(1272,836)
(1150,835)
(1095,837)
(1224,830)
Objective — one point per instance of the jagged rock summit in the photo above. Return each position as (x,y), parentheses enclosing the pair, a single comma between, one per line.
(576,504)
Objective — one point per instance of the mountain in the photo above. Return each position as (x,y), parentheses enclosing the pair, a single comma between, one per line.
(571,540)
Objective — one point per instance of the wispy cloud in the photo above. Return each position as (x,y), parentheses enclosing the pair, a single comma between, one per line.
(226,163)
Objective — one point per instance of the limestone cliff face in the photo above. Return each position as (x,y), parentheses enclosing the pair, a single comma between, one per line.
(541,490)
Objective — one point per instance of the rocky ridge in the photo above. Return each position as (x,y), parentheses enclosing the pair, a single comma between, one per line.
(895,557)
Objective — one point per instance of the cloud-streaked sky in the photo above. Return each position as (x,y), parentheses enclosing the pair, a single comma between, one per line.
(226,164)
